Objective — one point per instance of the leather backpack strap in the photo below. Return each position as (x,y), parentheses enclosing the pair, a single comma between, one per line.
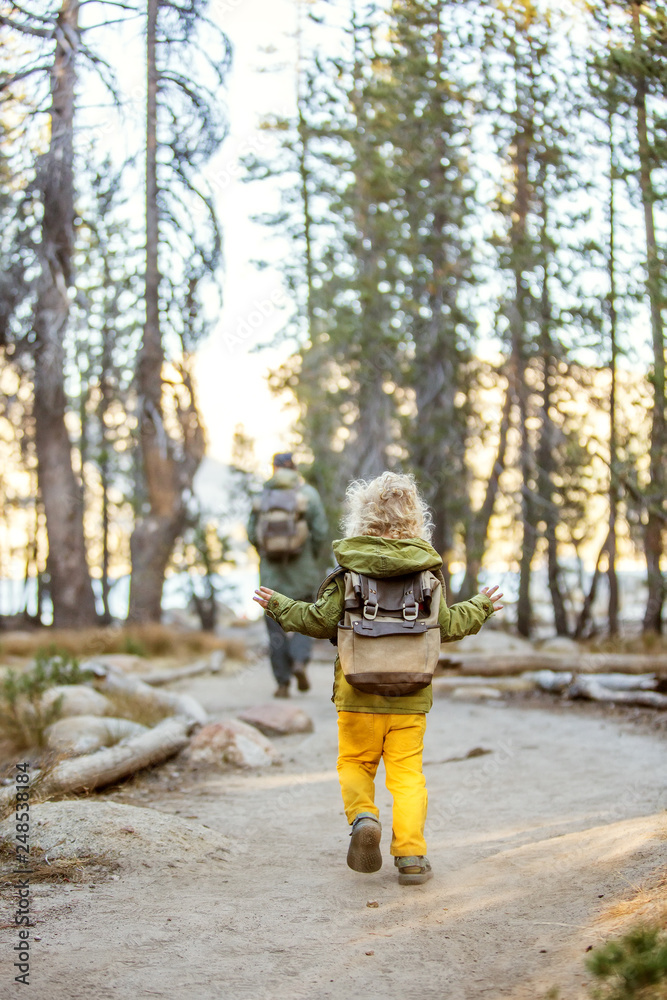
(333,575)
(410,607)
(371,602)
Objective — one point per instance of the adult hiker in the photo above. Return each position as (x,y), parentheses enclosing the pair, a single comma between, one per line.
(288,527)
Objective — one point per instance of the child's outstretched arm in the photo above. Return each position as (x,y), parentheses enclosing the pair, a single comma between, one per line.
(319,619)
(467,617)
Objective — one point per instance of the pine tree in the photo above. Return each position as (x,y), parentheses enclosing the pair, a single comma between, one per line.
(184,119)
(57,41)
(635,66)
(529,100)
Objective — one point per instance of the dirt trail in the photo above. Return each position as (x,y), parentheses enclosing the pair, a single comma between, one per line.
(529,844)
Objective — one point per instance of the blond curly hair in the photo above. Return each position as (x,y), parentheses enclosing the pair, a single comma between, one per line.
(388,506)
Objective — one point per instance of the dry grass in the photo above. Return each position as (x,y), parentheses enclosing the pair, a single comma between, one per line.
(649,643)
(126,705)
(647,904)
(148,640)
(45,762)
(45,869)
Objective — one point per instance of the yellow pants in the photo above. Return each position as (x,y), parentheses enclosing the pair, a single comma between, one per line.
(364,738)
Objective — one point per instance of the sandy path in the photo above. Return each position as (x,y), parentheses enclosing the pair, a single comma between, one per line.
(529,844)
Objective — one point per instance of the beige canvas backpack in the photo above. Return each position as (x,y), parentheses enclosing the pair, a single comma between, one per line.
(389,639)
(282,528)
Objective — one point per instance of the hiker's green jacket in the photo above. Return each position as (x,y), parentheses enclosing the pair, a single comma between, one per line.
(378,558)
(298,576)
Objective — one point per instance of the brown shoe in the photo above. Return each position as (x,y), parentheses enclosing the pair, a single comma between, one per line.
(282,691)
(302,682)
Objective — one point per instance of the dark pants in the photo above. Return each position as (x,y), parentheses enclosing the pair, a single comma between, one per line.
(286,649)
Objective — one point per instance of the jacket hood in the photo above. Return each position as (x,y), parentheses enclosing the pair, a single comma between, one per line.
(384,557)
(284,479)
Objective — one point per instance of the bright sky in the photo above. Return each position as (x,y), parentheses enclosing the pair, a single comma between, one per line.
(232,379)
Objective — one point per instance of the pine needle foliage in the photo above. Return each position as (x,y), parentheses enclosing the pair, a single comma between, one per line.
(633,967)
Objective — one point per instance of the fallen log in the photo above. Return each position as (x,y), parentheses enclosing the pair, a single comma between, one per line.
(522,683)
(558,681)
(580,662)
(108,680)
(104,767)
(592,690)
(213,665)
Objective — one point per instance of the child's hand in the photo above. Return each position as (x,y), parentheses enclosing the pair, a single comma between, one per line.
(490,592)
(263,596)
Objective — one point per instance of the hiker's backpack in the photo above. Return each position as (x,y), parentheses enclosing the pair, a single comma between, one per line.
(389,638)
(282,529)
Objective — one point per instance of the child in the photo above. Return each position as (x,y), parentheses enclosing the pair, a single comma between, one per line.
(388,528)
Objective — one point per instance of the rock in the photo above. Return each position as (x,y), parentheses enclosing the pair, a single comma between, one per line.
(475,693)
(231,742)
(276,719)
(77,699)
(76,828)
(86,733)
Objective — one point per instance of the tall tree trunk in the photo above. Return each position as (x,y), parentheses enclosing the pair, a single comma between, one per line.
(366,455)
(437,448)
(70,586)
(653,537)
(304,175)
(546,463)
(581,630)
(612,578)
(167,477)
(519,237)
(478,524)
(105,400)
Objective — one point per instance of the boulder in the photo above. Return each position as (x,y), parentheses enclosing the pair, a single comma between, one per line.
(231,742)
(85,733)
(277,719)
(79,828)
(77,699)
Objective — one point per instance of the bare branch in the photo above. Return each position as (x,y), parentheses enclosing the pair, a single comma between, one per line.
(106,72)
(110,3)
(8,81)
(26,29)
(45,18)
(107,24)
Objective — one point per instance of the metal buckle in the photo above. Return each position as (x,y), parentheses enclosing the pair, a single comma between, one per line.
(410,617)
(375,612)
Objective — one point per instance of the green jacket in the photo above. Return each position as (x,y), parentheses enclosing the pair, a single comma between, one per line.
(377,557)
(300,576)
